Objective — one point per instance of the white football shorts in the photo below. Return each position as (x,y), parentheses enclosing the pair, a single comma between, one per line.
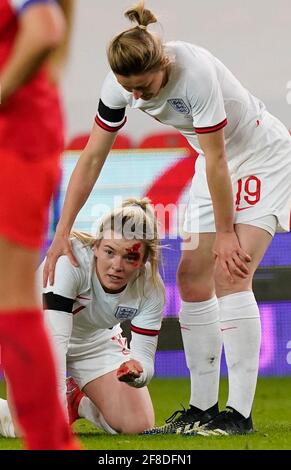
(105,353)
(261,179)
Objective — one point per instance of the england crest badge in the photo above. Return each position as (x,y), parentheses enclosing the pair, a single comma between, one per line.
(125,313)
(179,105)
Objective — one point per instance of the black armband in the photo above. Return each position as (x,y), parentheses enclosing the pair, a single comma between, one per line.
(53,301)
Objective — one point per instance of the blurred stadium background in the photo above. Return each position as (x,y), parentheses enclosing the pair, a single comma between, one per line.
(253,39)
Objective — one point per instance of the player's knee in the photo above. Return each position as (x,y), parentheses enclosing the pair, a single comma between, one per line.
(193,286)
(224,286)
(187,276)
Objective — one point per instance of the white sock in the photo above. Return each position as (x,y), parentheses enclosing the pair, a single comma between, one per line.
(202,341)
(6,423)
(89,411)
(241,332)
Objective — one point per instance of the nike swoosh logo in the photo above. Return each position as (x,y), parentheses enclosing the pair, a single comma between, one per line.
(238,209)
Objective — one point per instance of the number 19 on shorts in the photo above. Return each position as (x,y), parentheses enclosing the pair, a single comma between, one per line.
(248,193)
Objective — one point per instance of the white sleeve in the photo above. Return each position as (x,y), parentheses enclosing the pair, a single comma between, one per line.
(206,99)
(112,93)
(59,325)
(145,328)
(68,279)
(58,318)
(143,349)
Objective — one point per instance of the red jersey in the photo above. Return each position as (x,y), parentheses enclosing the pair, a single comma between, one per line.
(31,120)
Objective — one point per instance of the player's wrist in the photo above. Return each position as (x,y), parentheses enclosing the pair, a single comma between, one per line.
(62,231)
(226,231)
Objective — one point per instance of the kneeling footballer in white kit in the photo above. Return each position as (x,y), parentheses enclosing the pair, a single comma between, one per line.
(117,279)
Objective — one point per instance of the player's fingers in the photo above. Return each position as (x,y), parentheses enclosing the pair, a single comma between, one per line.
(244,256)
(242,267)
(72,258)
(135,372)
(45,275)
(52,267)
(48,271)
(137,367)
(226,271)
(235,270)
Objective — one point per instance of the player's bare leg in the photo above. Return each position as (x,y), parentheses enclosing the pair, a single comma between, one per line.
(26,353)
(115,406)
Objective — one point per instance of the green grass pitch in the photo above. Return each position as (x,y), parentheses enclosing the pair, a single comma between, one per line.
(271,414)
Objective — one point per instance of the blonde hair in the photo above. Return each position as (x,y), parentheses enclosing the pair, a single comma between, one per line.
(136,220)
(136,50)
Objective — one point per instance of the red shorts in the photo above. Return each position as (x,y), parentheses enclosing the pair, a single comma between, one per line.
(26,188)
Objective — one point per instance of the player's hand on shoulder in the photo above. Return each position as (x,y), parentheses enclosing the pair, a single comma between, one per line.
(129,371)
(60,246)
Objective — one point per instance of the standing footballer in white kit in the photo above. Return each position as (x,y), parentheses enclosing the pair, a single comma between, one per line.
(117,280)
(241,187)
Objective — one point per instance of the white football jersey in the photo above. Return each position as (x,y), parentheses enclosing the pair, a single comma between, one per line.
(201,96)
